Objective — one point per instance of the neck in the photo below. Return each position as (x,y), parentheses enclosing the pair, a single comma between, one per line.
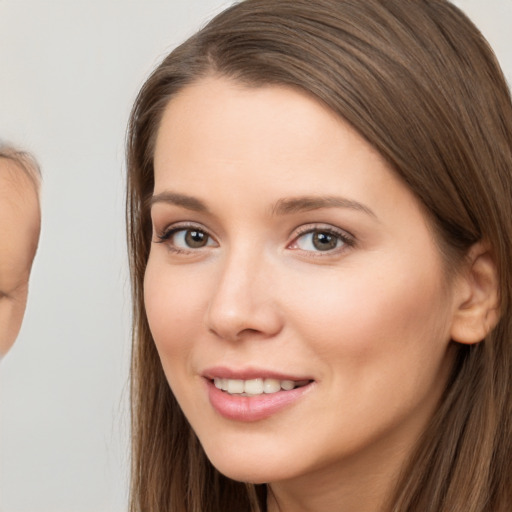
(362,483)
(351,494)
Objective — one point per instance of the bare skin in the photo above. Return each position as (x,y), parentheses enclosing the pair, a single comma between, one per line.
(20,221)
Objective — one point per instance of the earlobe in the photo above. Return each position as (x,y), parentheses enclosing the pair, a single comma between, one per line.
(477,310)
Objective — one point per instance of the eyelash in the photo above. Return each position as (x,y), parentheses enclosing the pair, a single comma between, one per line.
(346,239)
(165,236)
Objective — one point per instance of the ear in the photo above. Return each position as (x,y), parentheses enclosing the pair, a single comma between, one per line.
(477,296)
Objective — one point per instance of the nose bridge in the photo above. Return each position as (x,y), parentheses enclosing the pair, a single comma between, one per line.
(242,302)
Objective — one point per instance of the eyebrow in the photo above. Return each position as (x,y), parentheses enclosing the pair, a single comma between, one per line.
(286,206)
(188,202)
(306,203)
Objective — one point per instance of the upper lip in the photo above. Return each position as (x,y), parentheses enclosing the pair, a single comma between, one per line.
(224,372)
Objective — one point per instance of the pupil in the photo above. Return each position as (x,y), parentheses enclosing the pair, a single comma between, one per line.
(195,238)
(324,241)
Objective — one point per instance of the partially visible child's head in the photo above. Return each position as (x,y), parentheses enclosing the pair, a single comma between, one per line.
(20,222)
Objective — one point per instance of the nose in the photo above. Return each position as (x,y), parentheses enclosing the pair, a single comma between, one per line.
(244,303)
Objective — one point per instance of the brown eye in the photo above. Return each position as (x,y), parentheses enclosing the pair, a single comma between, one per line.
(323,241)
(195,239)
(184,239)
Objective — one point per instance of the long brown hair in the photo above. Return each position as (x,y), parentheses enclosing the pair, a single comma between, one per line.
(419,82)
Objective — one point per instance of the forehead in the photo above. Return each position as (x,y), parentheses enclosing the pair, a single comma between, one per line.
(17,182)
(19,201)
(217,121)
(19,224)
(210,96)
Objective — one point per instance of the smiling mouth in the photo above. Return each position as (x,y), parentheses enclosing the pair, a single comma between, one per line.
(257,387)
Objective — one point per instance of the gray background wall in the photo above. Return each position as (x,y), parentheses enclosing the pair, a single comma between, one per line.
(69,71)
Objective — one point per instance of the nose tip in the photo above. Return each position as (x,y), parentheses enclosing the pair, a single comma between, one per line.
(237,318)
(243,305)
(233,328)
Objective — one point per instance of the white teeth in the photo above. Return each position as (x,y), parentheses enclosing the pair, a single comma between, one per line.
(254,387)
(221,384)
(235,386)
(287,385)
(271,386)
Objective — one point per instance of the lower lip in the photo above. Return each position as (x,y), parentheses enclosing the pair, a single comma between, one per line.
(253,408)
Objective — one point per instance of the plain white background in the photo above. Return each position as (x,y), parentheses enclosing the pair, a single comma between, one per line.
(69,71)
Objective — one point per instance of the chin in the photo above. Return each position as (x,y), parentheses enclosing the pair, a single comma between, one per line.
(246,474)
(255,470)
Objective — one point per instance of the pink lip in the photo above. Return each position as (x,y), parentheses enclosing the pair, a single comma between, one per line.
(251,408)
(222,372)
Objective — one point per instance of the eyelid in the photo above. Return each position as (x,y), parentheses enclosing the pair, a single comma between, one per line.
(347,238)
(165,234)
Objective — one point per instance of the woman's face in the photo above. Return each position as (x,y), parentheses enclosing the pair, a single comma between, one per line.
(286,254)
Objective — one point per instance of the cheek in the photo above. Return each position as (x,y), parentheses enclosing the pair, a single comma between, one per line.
(167,306)
(389,314)
(171,308)
(176,299)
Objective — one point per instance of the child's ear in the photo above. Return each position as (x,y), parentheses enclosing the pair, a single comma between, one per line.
(477,296)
